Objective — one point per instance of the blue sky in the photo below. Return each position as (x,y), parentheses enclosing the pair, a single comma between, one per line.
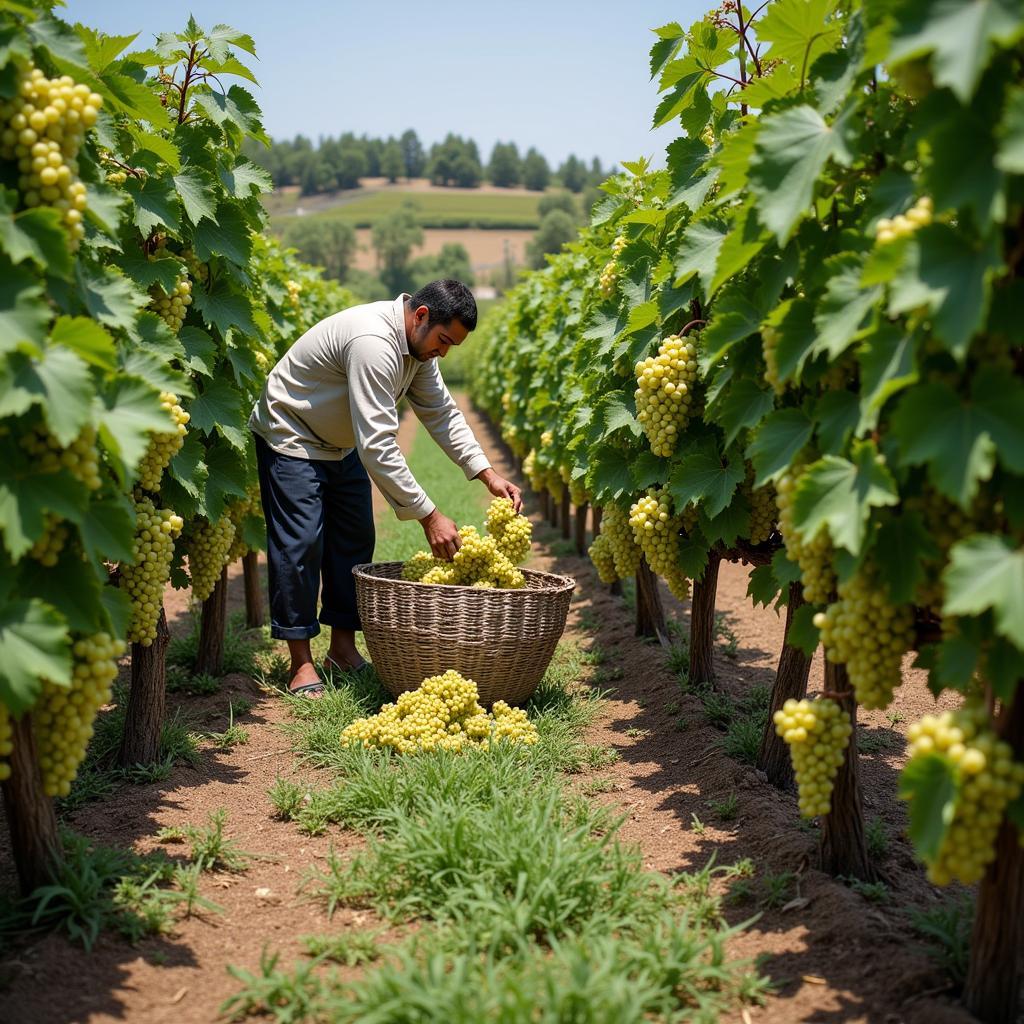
(565,77)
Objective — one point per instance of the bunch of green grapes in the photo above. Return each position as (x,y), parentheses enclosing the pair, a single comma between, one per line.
(6,742)
(443,574)
(600,553)
(42,128)
(817,733)
(904,225)
(116,177)
(146,576)
(294,291)
(172,306)
(664,394)
(609,280)
(656,531)
(989,780)
(163,446)
(814,556)
(415,568)
(475,557)
(47,549)
(208,547)
(869,634)
(62,718)
(512,532)
(763,510)
(81,458)
(578,492)
(199,270)
(532,471)
(619,545)
(769,349)
(443,713)
(238,511)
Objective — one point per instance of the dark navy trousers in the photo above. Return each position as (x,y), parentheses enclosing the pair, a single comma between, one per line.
(319,518)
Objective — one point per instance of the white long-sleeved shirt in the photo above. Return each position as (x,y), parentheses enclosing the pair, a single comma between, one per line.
(337,388)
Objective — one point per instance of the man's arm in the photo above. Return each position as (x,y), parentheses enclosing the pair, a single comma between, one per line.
(372,382)
(432,402)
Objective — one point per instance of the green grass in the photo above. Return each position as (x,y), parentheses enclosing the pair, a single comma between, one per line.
(451,210)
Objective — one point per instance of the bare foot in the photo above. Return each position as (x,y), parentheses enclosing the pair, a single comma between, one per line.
(303,675)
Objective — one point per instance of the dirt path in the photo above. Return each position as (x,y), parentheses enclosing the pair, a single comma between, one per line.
(834,956)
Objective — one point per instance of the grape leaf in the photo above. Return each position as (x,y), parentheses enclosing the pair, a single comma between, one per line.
(959,440)
(730,524)
(223,308)
(745,404)
(762,586)
(33,647)
(229,236)
(931,786)
(986,572)
(108,296)
(901,547)
(85,338)
(610,474)
(803,633)
(794,321)
(887,359)
(952,277)
(71,586)
(246,179)
(23,313)
(960,36)
(698,252)
(219,407)
(156,203)
(705,478)
(791,151)
(837,413)
(35,235)
(746,239)
(798,31)
(839,495)
(198,194)
(781,437)
(844,307)
(227,479)
(62,384)
(131,411)
(27,494)
(107,530)
(692,555)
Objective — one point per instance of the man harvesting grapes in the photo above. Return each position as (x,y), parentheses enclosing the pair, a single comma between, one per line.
(325,426)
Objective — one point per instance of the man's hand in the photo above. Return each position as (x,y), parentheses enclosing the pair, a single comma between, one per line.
(442,535)
(501,488)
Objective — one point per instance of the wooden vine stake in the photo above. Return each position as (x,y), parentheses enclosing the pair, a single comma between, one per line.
(843,849)
(702,623)
(553,505)
(994,973)
(597,515)
(144,716)
(790,683)
(210,656)
(566,514)
(254,617)
(31,821)
(650,613)
(580,529)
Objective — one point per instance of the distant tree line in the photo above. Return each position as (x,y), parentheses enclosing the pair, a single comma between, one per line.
(336,163)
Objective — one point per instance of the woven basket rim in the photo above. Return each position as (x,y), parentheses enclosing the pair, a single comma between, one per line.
(559,584)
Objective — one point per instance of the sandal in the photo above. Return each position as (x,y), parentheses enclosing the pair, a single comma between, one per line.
(308,690)
(332,666)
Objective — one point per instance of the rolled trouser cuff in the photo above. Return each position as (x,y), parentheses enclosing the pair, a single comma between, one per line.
(295,632)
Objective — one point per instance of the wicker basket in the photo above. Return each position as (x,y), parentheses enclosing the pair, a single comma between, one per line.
(501,639)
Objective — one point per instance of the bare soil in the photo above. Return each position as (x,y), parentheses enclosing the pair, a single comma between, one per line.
(833,955)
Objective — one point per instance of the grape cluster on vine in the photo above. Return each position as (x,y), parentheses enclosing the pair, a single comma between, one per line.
(163,445)
(615,552)
(208,545)
(664,393)
(145,577)
(42,128)
(443,713)
(817,733)
(905,224)
(869,634)
(656,531)
(62,718)
(81,458)
(813,555)
(609,279)
(47,549)
(988,781)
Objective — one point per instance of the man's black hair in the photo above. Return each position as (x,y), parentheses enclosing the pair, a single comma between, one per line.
(447,300)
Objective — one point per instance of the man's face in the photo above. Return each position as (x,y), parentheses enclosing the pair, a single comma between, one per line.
(433,342)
